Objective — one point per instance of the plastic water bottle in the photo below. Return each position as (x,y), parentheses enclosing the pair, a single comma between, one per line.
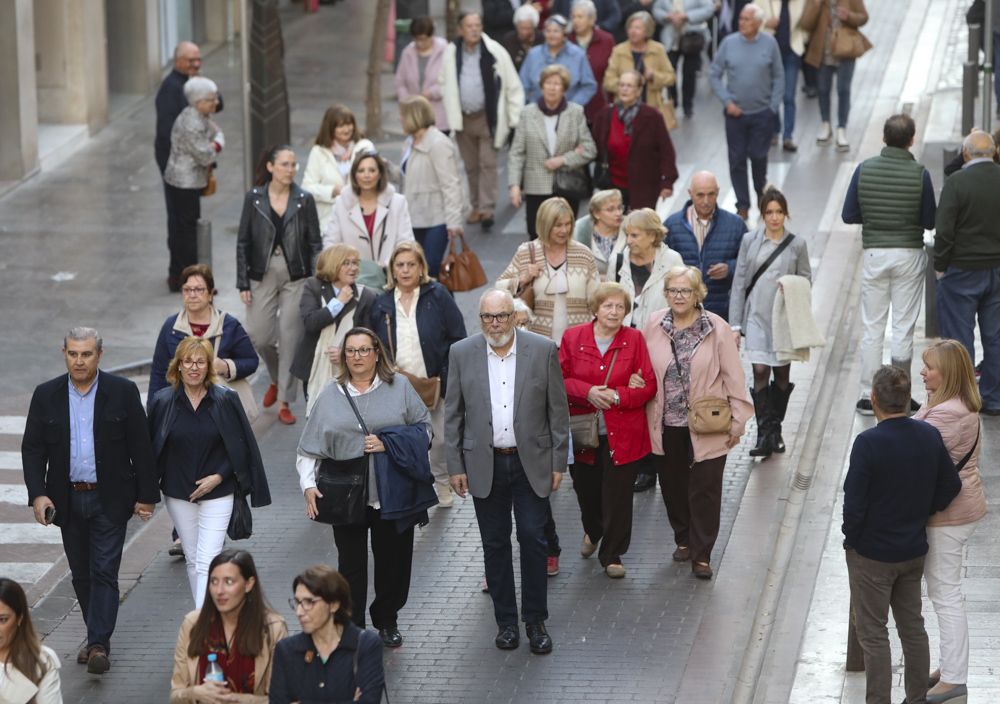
(213,673)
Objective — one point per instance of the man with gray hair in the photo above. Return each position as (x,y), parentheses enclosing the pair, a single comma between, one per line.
(88,467)
(967,260)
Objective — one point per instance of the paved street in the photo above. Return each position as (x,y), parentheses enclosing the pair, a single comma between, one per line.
(84,243)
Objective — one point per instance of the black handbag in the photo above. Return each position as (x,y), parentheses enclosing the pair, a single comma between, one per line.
(571,184)
(692,43)
(343,484)
(241,520)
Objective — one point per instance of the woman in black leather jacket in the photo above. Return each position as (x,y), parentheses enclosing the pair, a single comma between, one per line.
(276,249)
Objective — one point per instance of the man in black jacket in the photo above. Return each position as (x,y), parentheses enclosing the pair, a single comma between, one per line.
(900,473)
(88,467)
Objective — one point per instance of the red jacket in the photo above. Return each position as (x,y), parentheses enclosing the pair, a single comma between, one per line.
(583,366)
(598,55)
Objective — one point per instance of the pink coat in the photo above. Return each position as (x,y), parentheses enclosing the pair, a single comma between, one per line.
(958,427)
(716,370)
(408,78)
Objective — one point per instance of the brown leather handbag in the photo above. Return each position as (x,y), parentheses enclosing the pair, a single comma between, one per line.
(461,271)
(210,185)
(427,388)
(848,43)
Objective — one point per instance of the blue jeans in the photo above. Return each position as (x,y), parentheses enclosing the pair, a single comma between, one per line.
(824,84)
(962,294)
(93,546)
(434,240)
(748,136)
(511,489)
(792,62)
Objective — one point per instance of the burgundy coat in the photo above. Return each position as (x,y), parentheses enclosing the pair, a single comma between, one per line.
(598,55)
(652,165)
(583,366)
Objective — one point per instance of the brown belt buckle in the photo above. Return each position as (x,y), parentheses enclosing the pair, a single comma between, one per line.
(505,450)
(83,486)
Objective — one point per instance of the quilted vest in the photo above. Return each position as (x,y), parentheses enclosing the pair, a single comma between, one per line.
(890,187)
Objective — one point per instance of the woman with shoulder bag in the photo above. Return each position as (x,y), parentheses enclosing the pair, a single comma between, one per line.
(766,254)
(684,36)
(418,321)
(699,413)
(341,437)
(598,362)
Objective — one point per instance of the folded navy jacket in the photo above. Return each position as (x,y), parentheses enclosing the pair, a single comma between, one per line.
(403,475)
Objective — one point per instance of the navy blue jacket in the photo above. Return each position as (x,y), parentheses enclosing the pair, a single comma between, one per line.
(299,675)
(439,324)
(403,475)
(235,345)
(900,473)
(722,244)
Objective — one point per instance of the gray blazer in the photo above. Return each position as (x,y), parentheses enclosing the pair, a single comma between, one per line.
(541,413)
(526,162)
(793,260)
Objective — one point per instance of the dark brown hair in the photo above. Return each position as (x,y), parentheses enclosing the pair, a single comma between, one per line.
(202,270)
(330,586)
(251,627)
(333,118)
(25,654)
(383,366)
(383,172)
(891,389)
(422,26)
(260,173)
(773,195)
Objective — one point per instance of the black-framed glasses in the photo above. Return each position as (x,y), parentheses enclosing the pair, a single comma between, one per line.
(194,363)
(499,317)
(307,604)
(193,290)
(680,292)
(358,351)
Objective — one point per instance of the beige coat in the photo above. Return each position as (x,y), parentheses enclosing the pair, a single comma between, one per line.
(772,10)
(433,182)
(185,676)
(322,175)
(655,57)
(392,225)
(526,163)
(815,20)
(958,427)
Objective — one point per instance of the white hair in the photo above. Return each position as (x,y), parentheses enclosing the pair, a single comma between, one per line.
(587,6)
(979,145)
(757,11)
(521,307)
(198,88)
(526,13)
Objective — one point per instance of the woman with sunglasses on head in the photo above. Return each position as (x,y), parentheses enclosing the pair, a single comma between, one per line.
(238,627)
(29,671)
(332,659)
(340,430)
(205,453)
(276,249)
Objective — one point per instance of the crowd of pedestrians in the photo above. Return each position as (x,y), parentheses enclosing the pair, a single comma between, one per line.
(610,346)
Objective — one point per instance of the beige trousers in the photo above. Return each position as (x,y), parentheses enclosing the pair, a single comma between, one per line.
(476,146)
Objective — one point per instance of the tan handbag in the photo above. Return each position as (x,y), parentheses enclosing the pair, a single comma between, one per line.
(583,427)
(461,271)
(211,185)
(709,415)
(527,293)
(427,388)
(848,43)
(669,116)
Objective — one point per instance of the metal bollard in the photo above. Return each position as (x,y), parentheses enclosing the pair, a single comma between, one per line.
(205,242)
(970,77)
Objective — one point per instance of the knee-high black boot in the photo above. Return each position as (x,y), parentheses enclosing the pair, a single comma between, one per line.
(762,409)
(779,404)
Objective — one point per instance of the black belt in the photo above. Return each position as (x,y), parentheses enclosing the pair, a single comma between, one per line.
(504,450)
(83,486)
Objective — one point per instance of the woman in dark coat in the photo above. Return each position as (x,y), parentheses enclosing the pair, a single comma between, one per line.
(633,141)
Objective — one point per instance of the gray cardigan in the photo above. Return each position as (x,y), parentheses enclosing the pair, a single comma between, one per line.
(191,150)
(526,163)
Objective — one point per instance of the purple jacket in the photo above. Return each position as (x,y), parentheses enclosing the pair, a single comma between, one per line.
(408,78)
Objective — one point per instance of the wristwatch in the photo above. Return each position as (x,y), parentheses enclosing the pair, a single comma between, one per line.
(618,399)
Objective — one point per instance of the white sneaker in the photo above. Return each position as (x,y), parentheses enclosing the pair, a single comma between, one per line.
(842,145)
(445,499)
(825,134)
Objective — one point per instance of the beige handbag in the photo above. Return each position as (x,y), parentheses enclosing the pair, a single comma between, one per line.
(427,388)
(709,415)
(583,427)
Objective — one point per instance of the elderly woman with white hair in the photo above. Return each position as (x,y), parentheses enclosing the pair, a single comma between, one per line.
(195,142)
(525,35)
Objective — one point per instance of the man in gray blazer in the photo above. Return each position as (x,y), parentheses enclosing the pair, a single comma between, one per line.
(507,435)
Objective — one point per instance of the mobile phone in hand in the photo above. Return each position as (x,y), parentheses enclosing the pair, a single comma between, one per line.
(50,514)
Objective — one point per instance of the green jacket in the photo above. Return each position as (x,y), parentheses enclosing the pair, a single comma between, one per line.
(890,187)
(968,219)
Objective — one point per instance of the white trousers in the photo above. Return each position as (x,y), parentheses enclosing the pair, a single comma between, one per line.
(202,529)
(943,572)
(889,277)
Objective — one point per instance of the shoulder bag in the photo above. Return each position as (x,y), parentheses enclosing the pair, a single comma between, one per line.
(709,415)
(343,484)
(767,263)
(848,43)
(210,185)
(571,183)
(692,43)
(461,271)
(427,388)
(527,293)
(583,427)
(241,520)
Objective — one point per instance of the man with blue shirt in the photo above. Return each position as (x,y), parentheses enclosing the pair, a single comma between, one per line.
(88,467)
(900,473)
(556,50)
(748,77)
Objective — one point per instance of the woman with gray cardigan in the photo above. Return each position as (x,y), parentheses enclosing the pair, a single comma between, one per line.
(766,254)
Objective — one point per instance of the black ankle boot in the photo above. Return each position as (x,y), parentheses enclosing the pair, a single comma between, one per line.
(762,408)
(779,404)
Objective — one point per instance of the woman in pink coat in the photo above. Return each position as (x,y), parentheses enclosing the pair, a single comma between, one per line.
(420,67)
(953,405)
(694,356)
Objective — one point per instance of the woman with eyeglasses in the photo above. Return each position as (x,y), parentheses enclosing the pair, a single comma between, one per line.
(205,453)
(332,659)
(380,400)
(276,249)
(238,626)
(601,230)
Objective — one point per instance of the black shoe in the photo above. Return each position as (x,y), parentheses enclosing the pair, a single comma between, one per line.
(508,638)
(644,482)
(538,638)
(98,661)
(176,550)
(391,637)
(487,222)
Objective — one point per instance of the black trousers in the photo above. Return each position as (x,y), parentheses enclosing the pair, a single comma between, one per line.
(183,212)
(531,205)
(689,74)
(393,553)
(604,493)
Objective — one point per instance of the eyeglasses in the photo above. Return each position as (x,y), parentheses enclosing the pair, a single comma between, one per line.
(680,292)
(352,262)
(499,317)
(194,363)
(307,604)
(193,290)
(358,351)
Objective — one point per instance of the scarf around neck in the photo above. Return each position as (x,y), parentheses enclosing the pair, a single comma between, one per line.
(545,109)
(627,115)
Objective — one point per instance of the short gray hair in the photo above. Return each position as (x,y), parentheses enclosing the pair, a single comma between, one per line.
(648,23)
(526,13)
(588,6)
(757,11)
(198,88)
(978,145)
(492,291)
(80,333)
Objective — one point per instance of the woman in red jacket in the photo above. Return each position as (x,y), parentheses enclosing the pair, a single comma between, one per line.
(599,361)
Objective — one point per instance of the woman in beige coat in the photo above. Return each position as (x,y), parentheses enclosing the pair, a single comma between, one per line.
(337,145)
(654,66)
(953,405)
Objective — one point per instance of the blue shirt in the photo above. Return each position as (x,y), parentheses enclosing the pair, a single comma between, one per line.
(582,85)
(82,464)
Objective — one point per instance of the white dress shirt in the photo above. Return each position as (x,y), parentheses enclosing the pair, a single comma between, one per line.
(409,355)
(501,371)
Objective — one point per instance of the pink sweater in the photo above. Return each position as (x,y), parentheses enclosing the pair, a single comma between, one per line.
(958,427)
(408,78)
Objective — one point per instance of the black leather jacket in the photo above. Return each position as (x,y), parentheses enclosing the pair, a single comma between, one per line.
(302,240)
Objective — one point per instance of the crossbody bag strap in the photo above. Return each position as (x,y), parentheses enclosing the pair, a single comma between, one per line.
(770,260)
(965,460)
(610,367)
(354,407)
(388,335)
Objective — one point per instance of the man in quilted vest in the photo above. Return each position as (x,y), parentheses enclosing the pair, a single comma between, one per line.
(891,196)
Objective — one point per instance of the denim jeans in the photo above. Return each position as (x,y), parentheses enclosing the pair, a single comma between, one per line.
(93,546)
(748,136)
(511,490)
(824,84)
(434,240)
(792,62)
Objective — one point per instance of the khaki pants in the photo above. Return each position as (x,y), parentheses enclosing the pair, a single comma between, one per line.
(274,324)
(476,145)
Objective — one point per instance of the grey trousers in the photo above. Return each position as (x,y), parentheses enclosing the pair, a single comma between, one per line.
(274,324)
(875,588)
(476,146)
